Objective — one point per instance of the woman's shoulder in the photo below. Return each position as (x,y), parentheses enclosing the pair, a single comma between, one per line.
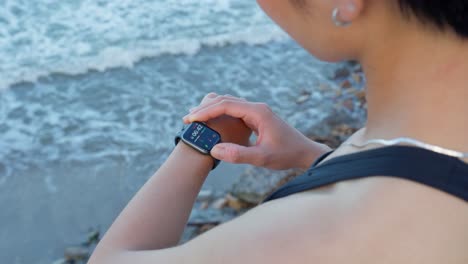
(370,216)
(373,219)
(366,217)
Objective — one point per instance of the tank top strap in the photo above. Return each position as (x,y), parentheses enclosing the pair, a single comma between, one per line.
(438,171)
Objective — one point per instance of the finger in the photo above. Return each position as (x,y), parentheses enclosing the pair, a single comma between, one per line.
(250,113)
(217,98)
(213,101)
(235,97)
(238,154)
(206,98)
(210,95)
(213,95)
(237,109)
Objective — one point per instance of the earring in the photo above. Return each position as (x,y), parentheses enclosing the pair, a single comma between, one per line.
(336,20)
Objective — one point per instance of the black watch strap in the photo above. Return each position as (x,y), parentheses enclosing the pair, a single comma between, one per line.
(177,139)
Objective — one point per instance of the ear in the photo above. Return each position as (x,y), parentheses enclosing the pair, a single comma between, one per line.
(350,9)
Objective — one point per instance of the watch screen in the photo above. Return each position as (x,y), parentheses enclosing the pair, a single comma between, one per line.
(202,136)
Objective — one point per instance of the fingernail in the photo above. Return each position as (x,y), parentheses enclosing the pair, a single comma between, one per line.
(218,152)
(192,109)
(190,118)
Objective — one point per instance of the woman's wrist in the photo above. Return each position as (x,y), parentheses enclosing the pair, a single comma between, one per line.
(185,152)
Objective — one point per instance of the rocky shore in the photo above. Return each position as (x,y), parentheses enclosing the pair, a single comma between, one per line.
(214,207)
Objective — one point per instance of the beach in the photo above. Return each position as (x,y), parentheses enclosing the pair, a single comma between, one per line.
(85,121)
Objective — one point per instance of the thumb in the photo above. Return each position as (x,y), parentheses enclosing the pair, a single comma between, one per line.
(234,153)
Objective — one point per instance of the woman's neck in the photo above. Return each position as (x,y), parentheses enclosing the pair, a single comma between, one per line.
(418,87)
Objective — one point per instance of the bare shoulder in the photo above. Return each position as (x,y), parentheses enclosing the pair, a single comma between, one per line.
(376,219)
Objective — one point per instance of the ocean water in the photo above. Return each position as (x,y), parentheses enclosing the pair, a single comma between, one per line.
(38,38)
(93,91)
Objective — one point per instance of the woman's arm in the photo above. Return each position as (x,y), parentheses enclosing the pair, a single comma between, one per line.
(155,218)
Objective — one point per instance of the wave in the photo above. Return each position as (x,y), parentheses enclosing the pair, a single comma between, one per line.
(118,56)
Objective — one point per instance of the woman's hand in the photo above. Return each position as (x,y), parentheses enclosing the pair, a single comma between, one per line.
(278,145)
(232,130)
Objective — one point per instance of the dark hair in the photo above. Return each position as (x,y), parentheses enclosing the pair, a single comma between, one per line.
(444,14)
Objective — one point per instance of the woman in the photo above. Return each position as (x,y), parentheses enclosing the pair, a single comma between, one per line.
(379,204)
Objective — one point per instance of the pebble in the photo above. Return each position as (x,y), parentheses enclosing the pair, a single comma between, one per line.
(358,68)
(235,203)
(341,73)
(60,261)
(205,195)
(343,130)
(324,87)
(76,253)
(93,237)
(205,228)
(361,96)
(204,205)
(220,203)
(349,104)
(256,183)
(303,98)
(346,84)
(357,78)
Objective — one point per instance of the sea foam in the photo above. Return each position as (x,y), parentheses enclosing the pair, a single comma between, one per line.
(39,38)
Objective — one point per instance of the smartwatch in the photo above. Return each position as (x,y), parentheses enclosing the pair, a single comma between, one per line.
(200,137)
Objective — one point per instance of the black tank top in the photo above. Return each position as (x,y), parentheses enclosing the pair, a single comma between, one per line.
(445,173)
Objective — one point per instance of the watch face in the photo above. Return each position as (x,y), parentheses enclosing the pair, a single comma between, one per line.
(201,137)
